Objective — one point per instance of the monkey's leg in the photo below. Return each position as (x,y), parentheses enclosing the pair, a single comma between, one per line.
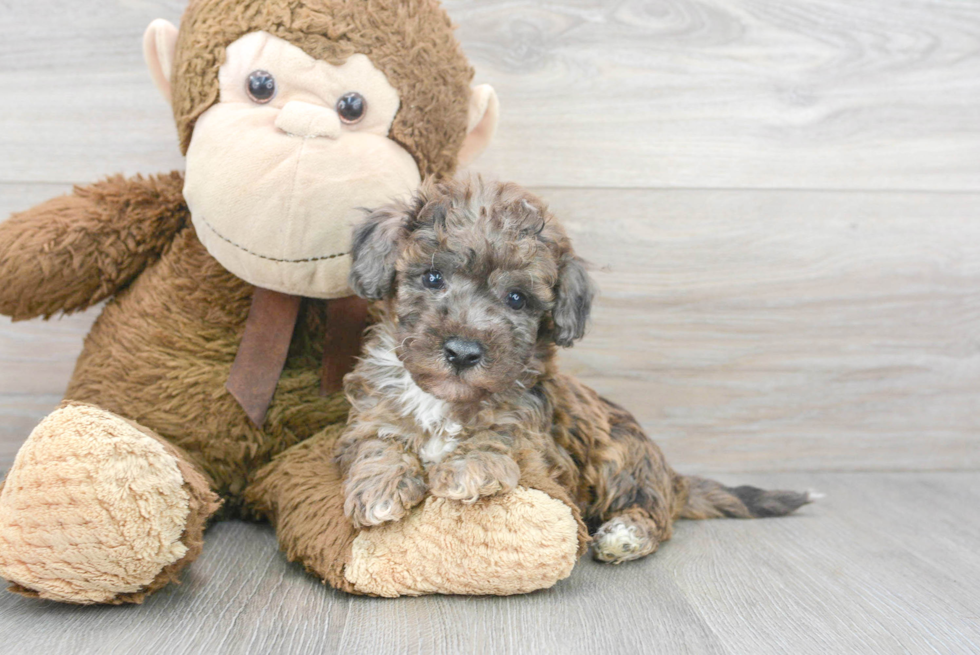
(301,493)
(98,509)
(509,543)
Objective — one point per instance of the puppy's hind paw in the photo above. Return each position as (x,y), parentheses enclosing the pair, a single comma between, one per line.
(620,540)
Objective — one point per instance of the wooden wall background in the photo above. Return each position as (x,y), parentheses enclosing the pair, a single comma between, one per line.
(782,201)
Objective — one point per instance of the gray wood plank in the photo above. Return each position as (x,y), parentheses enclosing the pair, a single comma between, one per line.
(19,197)
(835,578)
(746,330)
(582,614)
(763,330)
(858,573)
(240,597)
(791,94)
(87,107)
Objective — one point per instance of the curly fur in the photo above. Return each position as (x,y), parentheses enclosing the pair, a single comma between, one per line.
(420,422)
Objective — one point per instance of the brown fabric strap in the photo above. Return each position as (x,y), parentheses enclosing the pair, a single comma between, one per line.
(263,350)
(346,320)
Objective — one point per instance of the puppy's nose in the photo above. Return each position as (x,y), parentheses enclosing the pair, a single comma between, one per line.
(462,353)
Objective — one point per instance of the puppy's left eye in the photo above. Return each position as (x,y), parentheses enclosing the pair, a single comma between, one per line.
(433,280)
(516,300)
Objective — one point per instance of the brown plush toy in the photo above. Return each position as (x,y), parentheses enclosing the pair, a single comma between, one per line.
(208,387)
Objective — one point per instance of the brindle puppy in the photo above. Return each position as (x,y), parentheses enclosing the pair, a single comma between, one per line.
(458,390)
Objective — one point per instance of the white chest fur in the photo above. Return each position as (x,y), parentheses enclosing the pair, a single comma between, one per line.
(430,414)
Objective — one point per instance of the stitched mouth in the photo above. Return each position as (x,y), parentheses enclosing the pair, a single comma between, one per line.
(267,257)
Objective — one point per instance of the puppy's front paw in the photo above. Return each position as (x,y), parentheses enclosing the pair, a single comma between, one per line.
(473,476)
(380,498)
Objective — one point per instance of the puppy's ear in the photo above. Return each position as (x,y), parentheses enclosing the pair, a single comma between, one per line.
(573,302)
(374,250)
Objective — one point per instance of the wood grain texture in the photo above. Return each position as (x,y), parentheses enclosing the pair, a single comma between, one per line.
(720,93)
(797,330)
(885,564)
(630,93)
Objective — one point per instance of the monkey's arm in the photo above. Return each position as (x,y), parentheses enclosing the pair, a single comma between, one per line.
(76,250)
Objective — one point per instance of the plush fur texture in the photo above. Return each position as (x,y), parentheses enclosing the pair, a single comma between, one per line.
(76,250)
(527,539)
(487,265)
(66,519)
(410,41)
(523,543)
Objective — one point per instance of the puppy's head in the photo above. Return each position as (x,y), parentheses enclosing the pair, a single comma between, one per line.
(483,282)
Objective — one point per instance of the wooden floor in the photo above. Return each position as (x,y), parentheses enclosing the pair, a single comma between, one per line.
(781,199)
(888,563)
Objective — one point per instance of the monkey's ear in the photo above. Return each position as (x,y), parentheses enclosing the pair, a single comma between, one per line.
(483,116)
(573,302)
(159,50)
(374,251)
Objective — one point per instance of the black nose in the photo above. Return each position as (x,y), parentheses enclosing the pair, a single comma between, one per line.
(462,353)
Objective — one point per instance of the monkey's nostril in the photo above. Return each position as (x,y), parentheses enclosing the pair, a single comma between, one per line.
(462,353)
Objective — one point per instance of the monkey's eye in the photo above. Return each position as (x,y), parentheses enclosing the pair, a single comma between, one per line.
(261,87)
(516,300)
(433,280)
(351,107)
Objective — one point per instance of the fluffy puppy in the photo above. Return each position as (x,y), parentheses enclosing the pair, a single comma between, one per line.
(458,391)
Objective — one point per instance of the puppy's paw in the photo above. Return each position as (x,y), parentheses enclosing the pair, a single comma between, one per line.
(380,498)
(622,539)
(473,476)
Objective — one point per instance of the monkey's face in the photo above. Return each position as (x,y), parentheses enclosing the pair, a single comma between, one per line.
(282,165)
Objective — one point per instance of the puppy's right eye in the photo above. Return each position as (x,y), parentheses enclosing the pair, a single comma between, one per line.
(516,300)
(433,280)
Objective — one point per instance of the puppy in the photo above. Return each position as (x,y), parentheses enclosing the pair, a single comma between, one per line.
(458,392)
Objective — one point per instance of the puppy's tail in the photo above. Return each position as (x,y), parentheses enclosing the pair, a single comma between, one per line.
(707,499)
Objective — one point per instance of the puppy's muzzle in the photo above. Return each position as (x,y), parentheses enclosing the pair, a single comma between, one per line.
(462,354)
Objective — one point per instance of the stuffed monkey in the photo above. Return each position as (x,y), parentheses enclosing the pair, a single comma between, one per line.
(208,386)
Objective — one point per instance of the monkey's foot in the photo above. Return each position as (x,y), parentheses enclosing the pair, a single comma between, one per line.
(98,509)
(507,544)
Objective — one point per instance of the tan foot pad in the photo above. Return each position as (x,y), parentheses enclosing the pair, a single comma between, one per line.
(92,508)
(510,544)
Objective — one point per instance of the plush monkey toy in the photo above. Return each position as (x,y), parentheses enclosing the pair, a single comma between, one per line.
(208,385)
